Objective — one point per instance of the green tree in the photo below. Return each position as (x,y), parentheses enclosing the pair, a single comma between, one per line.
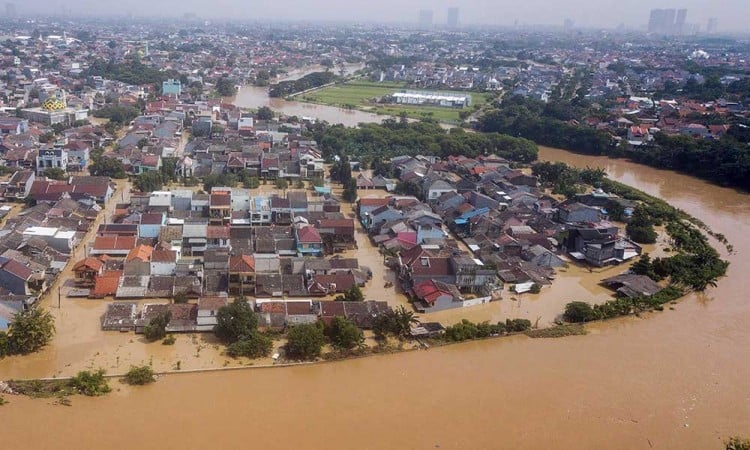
(107,167)
(577,312)
(219,180)
(180,297)
(225,87)
(4,344)
(235,321)
(92,384)
(517,325)
(738,443)
(55,173)
(644,266)
(157,327)
(30,331)
(139,375)
(281,183)
(251,183)
(350,191)
(149,181)
(397,322)
(305,341)
(256,345)
(344,334)
(264,113)
(168,168)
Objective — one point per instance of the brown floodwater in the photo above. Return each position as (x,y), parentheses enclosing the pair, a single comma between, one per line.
(677,379)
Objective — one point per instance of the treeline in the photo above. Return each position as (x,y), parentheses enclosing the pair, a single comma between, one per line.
(399,137)
(725,162)
(309,81)
(545,125)
(118,114)
(130,71)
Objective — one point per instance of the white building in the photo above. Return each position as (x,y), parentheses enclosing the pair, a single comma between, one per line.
(52,158)
(62,241)
(433,99)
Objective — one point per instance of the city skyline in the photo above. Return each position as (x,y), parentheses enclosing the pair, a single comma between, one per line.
(732,14)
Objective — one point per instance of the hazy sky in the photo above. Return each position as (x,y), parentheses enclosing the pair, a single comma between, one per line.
(732,14)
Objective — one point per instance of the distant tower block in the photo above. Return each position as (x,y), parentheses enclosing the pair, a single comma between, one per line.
(425,19)
(452,18)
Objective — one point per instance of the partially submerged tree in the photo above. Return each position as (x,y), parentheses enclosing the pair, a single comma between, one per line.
(30,331)
(305,341)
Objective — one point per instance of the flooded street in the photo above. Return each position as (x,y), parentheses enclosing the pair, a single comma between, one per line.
(677,379)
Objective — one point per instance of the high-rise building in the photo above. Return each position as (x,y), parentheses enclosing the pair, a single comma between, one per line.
(713,25)
(452,17)
(10,10)
(679,25)
(656,21)
(668,25)
(667,21)
(425,18)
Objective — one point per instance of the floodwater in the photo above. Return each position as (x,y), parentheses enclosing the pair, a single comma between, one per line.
(676,379)
(254,97)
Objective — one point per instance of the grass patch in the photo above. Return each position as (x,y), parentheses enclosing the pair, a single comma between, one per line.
(558,331)
(360,94)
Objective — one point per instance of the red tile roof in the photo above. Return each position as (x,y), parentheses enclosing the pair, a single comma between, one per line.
(89,263)
(114,242)
(142,252)
(107,284)
(242,264)
(308,235)
(217,232)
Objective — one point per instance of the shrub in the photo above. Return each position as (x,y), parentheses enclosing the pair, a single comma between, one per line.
(738,443)
(92,384)
(577,312)
(139,376)
(169,340)
(517,325)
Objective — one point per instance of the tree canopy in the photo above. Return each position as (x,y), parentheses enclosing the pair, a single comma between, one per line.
(305,341)
(235,321)
(395,138)
(29,332)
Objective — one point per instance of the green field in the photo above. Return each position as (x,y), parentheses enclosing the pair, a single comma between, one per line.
(360,95)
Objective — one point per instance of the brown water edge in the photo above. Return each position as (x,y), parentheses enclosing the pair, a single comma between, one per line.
(677,379)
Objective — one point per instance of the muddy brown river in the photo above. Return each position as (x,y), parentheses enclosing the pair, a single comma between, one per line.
(673,380)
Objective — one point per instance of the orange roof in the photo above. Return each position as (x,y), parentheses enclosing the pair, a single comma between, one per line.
(142,252)
(374,201)
(107,284)
(114,242)
(242,263)
(90,262)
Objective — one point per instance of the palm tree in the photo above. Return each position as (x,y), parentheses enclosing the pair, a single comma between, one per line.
(403,319)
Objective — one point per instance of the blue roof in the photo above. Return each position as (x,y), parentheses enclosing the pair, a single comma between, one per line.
(477,212)
(322,190)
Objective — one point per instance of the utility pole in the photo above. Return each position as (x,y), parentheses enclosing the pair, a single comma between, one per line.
(59,295)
